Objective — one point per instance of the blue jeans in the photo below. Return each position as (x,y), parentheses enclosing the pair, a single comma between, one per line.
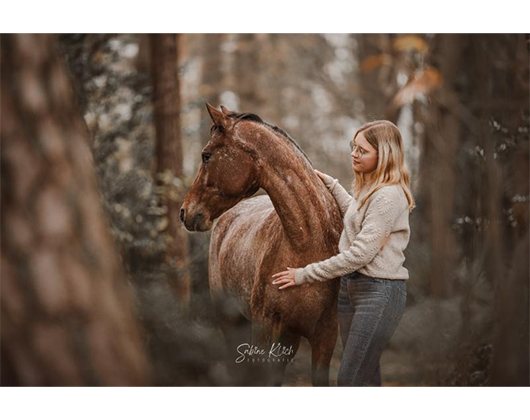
(369,310)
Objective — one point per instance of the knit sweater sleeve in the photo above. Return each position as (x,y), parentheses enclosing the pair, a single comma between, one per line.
(383,210)
(341,196)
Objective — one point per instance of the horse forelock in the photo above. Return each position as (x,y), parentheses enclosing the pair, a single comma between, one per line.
(277,130)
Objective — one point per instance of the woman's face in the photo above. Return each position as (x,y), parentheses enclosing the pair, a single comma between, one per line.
(364,155)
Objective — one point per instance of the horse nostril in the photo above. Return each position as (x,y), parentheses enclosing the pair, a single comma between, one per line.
(182,214)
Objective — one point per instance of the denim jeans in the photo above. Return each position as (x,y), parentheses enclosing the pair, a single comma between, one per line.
(369,310)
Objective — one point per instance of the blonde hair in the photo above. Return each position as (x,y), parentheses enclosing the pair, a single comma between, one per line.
(384,137)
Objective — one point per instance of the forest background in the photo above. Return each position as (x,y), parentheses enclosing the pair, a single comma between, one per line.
(117,293)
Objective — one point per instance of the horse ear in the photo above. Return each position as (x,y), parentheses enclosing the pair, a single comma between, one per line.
(225,110)
(217,116)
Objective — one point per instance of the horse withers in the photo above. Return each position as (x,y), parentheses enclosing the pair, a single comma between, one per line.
(295,223)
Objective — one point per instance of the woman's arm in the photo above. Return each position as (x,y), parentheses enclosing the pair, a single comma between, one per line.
(383,210)
(341,196)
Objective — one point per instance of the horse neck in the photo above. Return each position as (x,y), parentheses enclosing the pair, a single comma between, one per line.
(299,197)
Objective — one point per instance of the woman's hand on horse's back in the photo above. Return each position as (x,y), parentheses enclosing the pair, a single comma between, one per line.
(285,278)
(324,177)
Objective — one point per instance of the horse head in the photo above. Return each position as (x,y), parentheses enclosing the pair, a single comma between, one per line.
(228,174)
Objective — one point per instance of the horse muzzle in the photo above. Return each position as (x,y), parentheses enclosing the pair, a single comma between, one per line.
(194,222)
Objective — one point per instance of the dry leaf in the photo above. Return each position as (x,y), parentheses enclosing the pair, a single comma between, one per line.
(411,43)
(422,83)
(372,62)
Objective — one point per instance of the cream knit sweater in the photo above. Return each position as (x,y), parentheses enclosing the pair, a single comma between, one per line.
(373,239)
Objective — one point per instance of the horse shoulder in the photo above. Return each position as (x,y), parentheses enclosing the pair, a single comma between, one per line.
(239,241)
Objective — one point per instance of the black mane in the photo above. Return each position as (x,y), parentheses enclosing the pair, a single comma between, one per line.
(256,118)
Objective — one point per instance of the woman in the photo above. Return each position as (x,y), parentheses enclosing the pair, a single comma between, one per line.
(370,263)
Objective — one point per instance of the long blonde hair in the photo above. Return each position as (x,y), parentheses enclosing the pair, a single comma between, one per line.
(385,137)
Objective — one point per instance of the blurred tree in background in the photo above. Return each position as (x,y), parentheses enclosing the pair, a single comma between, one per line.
(164,59)
(67,313)
(462,104)
(114,76)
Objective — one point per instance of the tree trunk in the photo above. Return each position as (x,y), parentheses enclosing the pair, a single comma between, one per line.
(211,84)
(504,99)
(439,167)
(67,315)
(376,82)
(164,53)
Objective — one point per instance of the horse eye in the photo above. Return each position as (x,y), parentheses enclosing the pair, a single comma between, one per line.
(206,157)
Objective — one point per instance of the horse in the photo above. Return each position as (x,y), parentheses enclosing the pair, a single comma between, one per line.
(297,222)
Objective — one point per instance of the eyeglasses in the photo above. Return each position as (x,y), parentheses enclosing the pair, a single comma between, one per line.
(358,150)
